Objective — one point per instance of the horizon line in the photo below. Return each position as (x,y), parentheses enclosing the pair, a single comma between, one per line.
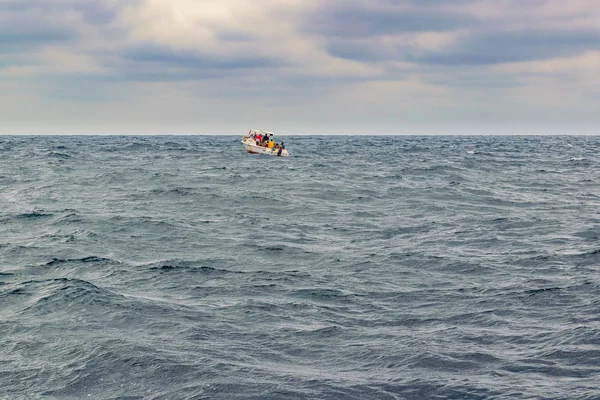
(300,134)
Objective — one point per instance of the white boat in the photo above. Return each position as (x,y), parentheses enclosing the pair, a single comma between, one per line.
(253,146)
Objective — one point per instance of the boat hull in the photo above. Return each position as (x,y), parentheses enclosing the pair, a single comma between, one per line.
(251,147)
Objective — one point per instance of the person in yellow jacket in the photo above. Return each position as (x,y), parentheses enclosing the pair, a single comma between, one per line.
(271,144)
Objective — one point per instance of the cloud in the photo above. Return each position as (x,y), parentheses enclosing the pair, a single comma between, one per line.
(20,32)
(301,58)
(513,46)
(89,11)
(373,19)
(169,57)
(162,63)
(467,32)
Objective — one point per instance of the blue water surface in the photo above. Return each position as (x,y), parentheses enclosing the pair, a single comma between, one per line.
(399,267)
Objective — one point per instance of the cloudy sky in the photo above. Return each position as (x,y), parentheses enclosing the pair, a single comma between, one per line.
(300,66)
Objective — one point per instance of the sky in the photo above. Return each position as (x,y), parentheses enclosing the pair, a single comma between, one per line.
(300,66)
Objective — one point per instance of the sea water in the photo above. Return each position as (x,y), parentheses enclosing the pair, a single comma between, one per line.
(368,267)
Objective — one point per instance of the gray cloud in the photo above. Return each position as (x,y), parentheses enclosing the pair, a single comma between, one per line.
(478,48)
(170,57)
(20,35)
(372,19)
(96,13)
(503,47)
(365,50)
(362,32)
(326,58)
(33,23)
(92,10)
(161,63)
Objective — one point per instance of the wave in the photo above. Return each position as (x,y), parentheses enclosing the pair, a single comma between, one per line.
(359,267)
(33,215)
(56,154)
(88,259)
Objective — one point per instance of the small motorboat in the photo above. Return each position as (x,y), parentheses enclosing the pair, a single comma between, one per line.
(261,142)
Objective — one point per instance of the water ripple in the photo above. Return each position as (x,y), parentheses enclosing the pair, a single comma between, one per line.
(360,267)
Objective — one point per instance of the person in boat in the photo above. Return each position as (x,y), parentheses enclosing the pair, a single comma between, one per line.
(282,145)
(270,143)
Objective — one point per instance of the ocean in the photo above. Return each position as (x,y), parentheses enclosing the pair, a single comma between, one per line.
(361,267)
